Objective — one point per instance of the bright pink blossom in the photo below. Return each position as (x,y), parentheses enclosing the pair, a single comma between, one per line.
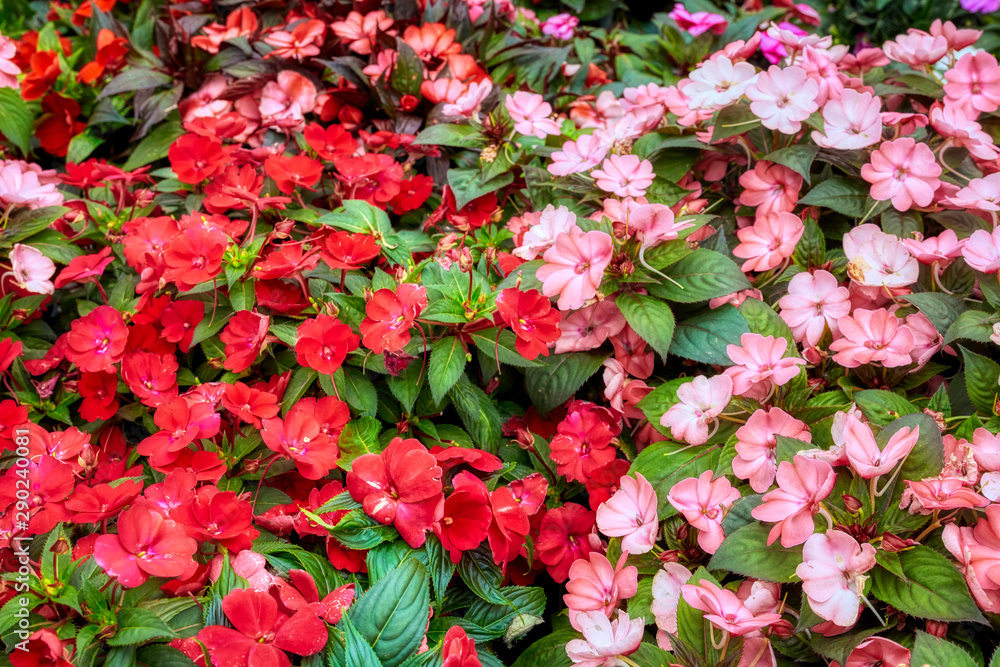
(814,303)
(853,121)
(530,113)
(724,610)
(717,83)
(597,585)
(770,241)
(603,639)
(783,98)
(982,250)
(756,445)
(871,336)
(864,454)
(699,22)
(770,188)
(624,175)
(760,363)
(974,83)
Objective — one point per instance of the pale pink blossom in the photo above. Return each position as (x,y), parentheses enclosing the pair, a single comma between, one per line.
(756,445)
(760,363)
(942,249)
(577,156)
(958,39)
(802,485)
(621,391)
(679,105)
(977,550)
(8,70)
(717,83)
(974,83)
(26,184)
(982,250)
(205,102)
(631,515)
(770,187)
(471,101)
(32,271)
(814,303)
(878,652)
(794,39)
(877,259)
(700,402)
(853,121)
(704,502)
(871,336)
(941,494)
(985,449)
(981,193)
(863,452)
(821,66)
(286,101)
(530,113)
(735,299)
(927,340)
(359,30)
(247,565)
(963,130)
(604,640)
(832,573)
(903,171)
(596,585)
(770,241)
(541,236)
(666,597)
(588,328)
(724,610)
(574,266)
(783,98)
(624,175)
(917,48)
(560,26)
(699,22)
(654,224)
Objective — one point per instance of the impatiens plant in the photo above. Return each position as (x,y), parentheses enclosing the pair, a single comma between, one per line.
(460,334)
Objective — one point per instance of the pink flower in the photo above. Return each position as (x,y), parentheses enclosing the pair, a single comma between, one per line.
(471,101)
(286,101)
(783,98)
(942,494)
(679,104)
(770,241)
(961,128)
(631,515)
(358,31)
(802,485)
(589,327)
(853,121)
(814,303)
(756,445)
(977,549)
(32,270)
(25,184)
(595,585)
(8,70)
(574,266)
(666,597)
(699,22)
(820,66)
(717,83)
(542,235)
(576,156)
(654,224)
(916,48)
(530,113)
(760,364)
(942,249)
(704,502)
(724,610)
(624,175)
(974,83)
(982,250)
(864,454)
(604,640)
(903,171)
(832,573)
(878,651)
(771,188)
(700,402)
(560,26)
(926,339)
(877,259)
(980,193)
(872,336)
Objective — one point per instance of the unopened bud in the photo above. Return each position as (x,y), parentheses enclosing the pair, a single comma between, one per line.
(61,546)
(852,504)
(893,543)
(783,629)
(465,262)
(670,556)
(283,229)
(937,628)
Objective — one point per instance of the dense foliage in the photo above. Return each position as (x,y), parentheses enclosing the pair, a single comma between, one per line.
(470,334)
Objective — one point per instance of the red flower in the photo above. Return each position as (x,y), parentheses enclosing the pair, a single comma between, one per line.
(299,438)
(195,157)
(262,633)
(50,482)
(147,544)
(583,442)
(59,123)
(220,517)
(10,350)
(373,177)
(151,377)
(182,423)
(509,528)
(179,321)
(93,504)
(194,256)
(43,649)
(98,392)
(45,70)
(530,492)
(566,534)
(239,187)
(12,416)
(329,142)
(390,316)
(291,172)
(413,193)
(86,269)
(603,482)
(400,486)
(347,251)
(458,650)
(250,405)
(282,297)
(533,319)
(244,337)
(473,215)
(110,55)
(467,516)
(449,457)
(301,593)
(284,262)
(97,340)
(323,343)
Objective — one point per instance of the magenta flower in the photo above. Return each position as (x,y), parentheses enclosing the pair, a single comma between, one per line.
(904,172)
(704,502)
(760,364)
(631,515)
(871,336)
(756,445)
(876,651)
(814,303)
(530,113)
(724,610)
(574,266)
(802,485)
(560,26)
(770,241)
(832,573)
(863,452)
(700,402)
(699,22)
(624,175)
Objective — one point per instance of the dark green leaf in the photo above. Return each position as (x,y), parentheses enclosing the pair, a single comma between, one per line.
(746,553)
(798,158)
(408,72)
(505,348)
(882,407)
(459,136)
(936,589)
(650,318)
(846,196)
(974,325)
(981,375)
(733,120)
(446,365)
(155,146)
(28,222)
(700,276)
(929,650)
(392,614)
(706,336)
(665,463)
(555,382)
(135,78)
(762,320)
(17,119)
(941,309)
(359,437)
(298,385)
(136,626)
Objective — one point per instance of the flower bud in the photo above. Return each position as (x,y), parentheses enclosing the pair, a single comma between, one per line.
(893,543)
(937,628)
(852,504)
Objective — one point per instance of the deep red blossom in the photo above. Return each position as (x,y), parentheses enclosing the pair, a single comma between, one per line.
(85,269)
(282,297)
(151,377)
(401,486)
(220,517)
(60,123)
(473,215)
(373,177)
(532,318)
(97,340)
(93,504)
(289,173)
(250,405)
(110,56)
(603,482)
(147,544)
(239,187)
(12,416)
(194,257)
(390,316)
(329,142)
(467,516)
(182,423)
(44,70)
(346,251)
(179,320)
(285,261)
(413,193)
(99,398)
(243,338)
(449,457)
(509,528)
(530,492)
(43,649)
(195,158)
(299,438)
(10,350)
(323,343)
(50,482)
(566,534)
(583,442)
(458,650)
(300,592)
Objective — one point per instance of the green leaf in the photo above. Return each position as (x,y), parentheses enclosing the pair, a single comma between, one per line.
(929,650)
(706,336)
(798,158)
(478,413)
(925,460)
(29,222)
(440,567)
(651,318)
(155,146)
(408,72)
(971,325)
(810,251)
(17,119)
(298,385)
(882,407)
(161,655)
(81,146)
(135,78)
(482,575)
(446,365)
(356,389)
(981,375)
(359,437)
(746,553)
(356,650)
(407,385)
(846,196)
(936,589)
(762,320)
(458,136)
(839,647)
(941,309)
(392,614)
(505,348)
(700,276)
(733,120)
(136,625)
(559,377)
(468,184)
(548,651)
(241,294)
